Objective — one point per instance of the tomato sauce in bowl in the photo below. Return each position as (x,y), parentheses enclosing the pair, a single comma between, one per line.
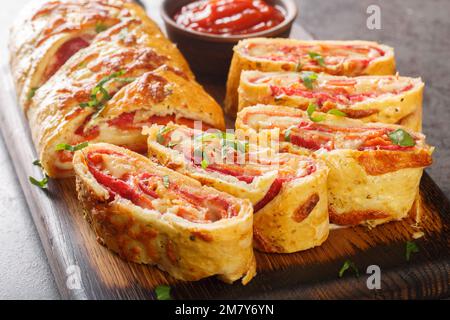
(229,17)
(207,30)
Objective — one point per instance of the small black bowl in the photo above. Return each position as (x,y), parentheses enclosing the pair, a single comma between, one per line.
(210,54)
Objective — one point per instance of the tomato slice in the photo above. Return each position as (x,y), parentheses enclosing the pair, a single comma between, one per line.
(312,140)
(241,173)
(125,189)
(89,134)
(140,189)
(64,53)
(147,183)
(217,207)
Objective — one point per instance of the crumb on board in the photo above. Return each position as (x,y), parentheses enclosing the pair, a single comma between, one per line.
(418,234)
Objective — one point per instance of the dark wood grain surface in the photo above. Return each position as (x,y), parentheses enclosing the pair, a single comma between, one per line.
(68,241)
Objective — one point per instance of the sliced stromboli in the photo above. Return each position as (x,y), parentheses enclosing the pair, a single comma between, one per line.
(344,58)
(160,97)
(387,99)
(108,91)
(150,214)
(288,192)
(375,169)
(48,33)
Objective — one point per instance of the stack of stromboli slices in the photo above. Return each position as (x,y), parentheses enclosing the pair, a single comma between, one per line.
(98,72)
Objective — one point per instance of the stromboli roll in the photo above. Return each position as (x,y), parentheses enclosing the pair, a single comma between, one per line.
(375,169)
(288,192)
(345,58)
(387,99)
(152,215)
(128,77)
(47,33)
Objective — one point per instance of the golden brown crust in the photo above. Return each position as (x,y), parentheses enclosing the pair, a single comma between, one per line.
(187,250)
(275,224)
(45,27)
(167,91)
(127,53)
(354,218)
(382,162)
(263,244)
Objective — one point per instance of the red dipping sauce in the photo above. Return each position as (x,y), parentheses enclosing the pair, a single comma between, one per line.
(229,17)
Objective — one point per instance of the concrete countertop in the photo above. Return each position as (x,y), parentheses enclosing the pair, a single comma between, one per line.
(419,31)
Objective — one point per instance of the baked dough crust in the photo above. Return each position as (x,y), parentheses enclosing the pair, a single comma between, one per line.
(382,65)
(43,27)
(364,186)
(295,219)
(153,75)
(185,249)
(397,100)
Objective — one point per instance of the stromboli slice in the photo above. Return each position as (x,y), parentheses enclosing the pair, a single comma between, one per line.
(375,169)
(150,214)
(288,192)
(160,96)
(47,33)
(387,99)
(104,92)
(345,58)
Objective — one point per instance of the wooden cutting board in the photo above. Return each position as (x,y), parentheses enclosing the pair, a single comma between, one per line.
(83,269)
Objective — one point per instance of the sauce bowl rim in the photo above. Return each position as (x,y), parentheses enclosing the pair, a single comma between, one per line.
(288,5)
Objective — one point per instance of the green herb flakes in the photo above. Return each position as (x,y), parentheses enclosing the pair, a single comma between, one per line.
(348,264)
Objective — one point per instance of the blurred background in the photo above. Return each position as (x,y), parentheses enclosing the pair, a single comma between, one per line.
(420,32)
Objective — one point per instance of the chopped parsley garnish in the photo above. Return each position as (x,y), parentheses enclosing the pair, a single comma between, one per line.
(163,293)
(299,65)
(317,57)
(309,78)
(100,27)
(311,109)
(337,112)
(161,132)
(402,138)
(204,163)
(209,136)
(40,183)
(166,181)
(348,264)
(37,163)
(68,147)
(82,65)
(411,247)
(99,95)
(32,93)
(287,134)
(172,144)
(228,139)
(201,157)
